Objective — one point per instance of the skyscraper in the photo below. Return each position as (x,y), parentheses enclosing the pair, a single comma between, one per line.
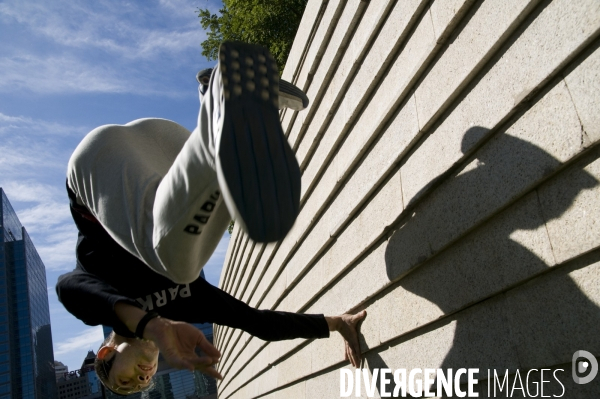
(82,383)
(26,355)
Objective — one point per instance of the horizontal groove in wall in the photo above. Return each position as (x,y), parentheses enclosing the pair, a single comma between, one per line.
(580,262)
(522,104)
(329,65)
(313,219)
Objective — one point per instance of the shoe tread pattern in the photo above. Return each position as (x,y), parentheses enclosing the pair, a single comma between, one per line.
(259,167)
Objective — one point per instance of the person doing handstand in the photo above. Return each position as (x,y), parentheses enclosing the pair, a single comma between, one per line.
(152,200)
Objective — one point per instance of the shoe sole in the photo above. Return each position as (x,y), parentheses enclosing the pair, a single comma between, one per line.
(257,170)
(291,97)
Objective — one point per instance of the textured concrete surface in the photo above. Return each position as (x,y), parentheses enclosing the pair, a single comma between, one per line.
(306,288)
(375,164)
(258,271)
(476,275)
(446,14)
(228,267)
(295,368)
(307,251)
(475,338)
(468,50)
(326,352)
(238,251)
(344,29)
(450,188)
(419,45)
(269,269)
(234,358)
(362,231)
(252,263)
(556,315)
(275,292)
(242,264)
(234,236)
(355,286)
(294,391)
(584,86)
(309,19)
(318,86)
(537,55)
(319,42)
(504,169)
(510,249)
(570,204)
(368,73)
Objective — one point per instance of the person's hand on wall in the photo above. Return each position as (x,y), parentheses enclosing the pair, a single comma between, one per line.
(349,326)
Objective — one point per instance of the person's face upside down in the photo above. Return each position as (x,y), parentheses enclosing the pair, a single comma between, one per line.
(134,365)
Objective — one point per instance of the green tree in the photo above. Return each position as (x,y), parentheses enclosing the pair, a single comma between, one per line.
(271,23)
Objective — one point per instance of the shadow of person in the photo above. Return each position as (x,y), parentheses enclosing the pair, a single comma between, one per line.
(478,278)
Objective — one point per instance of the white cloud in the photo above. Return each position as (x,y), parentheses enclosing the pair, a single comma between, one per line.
(73,73)
(59,74)
(23,159)
(97,47)
(156,42)
(127,30)
(53,233)
(30,191)
(43,210)
(58,255)
(90,338)
(18,124)
(32,149)
(46,215)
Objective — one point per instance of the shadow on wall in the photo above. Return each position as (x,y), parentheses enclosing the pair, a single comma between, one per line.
(537,324)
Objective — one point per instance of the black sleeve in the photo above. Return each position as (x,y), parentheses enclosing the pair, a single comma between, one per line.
(92,300)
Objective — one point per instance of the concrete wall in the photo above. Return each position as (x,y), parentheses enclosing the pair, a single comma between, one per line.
(451,187)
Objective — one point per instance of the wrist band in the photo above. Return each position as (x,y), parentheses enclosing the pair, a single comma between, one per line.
(139,331)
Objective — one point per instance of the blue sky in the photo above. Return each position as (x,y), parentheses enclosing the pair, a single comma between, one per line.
(68,66)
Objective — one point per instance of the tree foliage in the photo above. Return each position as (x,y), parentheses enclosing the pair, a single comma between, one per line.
(271,23)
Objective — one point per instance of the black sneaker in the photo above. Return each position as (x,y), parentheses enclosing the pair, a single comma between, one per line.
(289,95)
(257,170)
(203,77)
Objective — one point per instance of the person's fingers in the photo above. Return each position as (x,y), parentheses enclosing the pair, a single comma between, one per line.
(210,371)
(201,361)
(350,359)
(356,351)
(350,355)
(346,355)
(353,357)
(208,348)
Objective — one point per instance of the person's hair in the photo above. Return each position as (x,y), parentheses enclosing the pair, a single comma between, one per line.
(103,367)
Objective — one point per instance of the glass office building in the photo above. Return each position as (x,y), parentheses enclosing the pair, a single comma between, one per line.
(26,355)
